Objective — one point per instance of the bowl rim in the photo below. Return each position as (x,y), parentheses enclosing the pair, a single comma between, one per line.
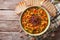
(44,29)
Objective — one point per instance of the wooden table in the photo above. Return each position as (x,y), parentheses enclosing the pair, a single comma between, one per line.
(9,22)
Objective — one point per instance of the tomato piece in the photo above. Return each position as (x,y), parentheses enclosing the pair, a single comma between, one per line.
(35,11)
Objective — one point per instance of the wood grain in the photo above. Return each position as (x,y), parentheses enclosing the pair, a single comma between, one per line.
(11,36)
(8,4)
(9,26)
(9,21)
(8,15)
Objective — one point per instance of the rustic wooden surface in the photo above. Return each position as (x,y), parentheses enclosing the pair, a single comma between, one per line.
(9,21)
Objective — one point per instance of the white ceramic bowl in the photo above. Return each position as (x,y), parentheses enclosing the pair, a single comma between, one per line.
(42,31)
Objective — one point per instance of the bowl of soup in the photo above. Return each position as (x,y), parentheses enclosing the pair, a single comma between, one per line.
(35,20)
